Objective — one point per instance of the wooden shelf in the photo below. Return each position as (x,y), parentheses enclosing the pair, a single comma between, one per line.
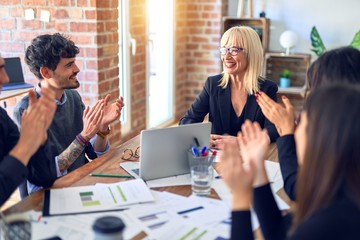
(298,64)
(293,90)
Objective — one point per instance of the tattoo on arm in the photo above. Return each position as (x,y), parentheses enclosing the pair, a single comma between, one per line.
(69,155)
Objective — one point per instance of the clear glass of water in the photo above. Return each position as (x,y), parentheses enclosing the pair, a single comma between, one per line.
(202,174)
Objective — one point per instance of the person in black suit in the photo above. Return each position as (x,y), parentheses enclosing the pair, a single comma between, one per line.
(16,148)
(341,65)
(328,193)
(229,97)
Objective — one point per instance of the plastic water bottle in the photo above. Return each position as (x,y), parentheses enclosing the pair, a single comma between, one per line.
(108,228)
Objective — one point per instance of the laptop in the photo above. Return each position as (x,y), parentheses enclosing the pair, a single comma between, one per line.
(14,71)
(164,152)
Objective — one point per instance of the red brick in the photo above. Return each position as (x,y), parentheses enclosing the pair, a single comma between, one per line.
(12,47)
(34,2)
(58,3)
(90,14)
(7,24)
(17,12)
(5,35)
(82,27)
(58,26)
(61,13)
(91,64)
(23,36)
(90,52)
(82,39)
(9,2)
(93,3)
(82,3)
(31,24)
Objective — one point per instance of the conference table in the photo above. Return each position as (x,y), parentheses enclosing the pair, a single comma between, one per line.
(109,163)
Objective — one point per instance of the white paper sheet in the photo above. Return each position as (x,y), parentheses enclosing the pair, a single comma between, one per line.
(100,197)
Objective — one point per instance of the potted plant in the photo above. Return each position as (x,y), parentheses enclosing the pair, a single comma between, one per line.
(285,78)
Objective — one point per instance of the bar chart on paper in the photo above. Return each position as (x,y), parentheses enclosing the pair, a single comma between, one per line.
(87,199)
(100,197)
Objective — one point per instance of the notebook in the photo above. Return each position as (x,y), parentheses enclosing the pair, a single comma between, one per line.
(163,152)
(14,71)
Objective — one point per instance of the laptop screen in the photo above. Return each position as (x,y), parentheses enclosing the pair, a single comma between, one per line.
(14,70)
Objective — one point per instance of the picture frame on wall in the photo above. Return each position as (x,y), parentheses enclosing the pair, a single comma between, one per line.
(260,25)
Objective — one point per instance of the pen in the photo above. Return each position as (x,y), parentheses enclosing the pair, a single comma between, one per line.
(203,150)
(195,151)
(196,142)
(110,175)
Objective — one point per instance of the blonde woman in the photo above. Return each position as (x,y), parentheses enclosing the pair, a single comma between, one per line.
(229,98)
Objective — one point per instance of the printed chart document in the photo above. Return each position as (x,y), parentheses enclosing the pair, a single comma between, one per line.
(100,197)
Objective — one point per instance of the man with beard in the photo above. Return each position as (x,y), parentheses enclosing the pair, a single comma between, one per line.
(76,131)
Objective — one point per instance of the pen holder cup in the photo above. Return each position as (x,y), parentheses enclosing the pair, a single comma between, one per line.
(15,227)
(202,173)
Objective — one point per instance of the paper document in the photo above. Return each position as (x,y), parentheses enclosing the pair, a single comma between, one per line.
(101,197)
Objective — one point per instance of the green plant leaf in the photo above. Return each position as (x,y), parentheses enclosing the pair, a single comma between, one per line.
(356,41)
(316,42)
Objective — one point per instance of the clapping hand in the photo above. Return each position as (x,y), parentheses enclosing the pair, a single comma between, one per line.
(282,117)
(236,176)
(254,145)
(92,118)
(111,112)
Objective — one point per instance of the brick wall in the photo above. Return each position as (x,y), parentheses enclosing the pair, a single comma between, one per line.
(91,24)
(198,35)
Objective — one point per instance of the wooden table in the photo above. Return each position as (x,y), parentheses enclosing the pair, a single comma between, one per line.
(108,163)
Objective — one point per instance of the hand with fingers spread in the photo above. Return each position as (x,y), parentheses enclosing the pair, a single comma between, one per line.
(236,176)
(282,117)
(254,145)
(47,105)
(111,112)
(92,118)
(217,141)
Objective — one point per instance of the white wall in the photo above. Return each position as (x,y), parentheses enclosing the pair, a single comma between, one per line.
(337,21)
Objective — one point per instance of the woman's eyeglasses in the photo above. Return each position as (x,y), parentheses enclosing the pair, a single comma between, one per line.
(130,155)
(233,51)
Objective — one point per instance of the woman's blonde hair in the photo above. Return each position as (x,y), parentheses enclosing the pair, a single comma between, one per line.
(247,38)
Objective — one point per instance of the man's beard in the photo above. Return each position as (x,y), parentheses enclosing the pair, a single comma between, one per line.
(73,87)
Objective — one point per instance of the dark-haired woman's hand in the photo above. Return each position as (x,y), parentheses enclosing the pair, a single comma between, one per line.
(254,145)
(283,117)
(238,177)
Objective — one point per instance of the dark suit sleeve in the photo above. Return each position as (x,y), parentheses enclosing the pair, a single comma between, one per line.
(199,108)
(12,174)
(241,225)
(273,224)
(12,171)
(41,167)
(270,127)
(288,163)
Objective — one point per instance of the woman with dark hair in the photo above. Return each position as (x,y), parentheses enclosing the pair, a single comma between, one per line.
(340,65)
(229,98)
(327,144)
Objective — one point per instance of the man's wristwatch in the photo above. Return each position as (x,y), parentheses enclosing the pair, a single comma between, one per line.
(105,133)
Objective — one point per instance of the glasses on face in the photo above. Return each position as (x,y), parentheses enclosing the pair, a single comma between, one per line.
(233,51)
(131,155)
